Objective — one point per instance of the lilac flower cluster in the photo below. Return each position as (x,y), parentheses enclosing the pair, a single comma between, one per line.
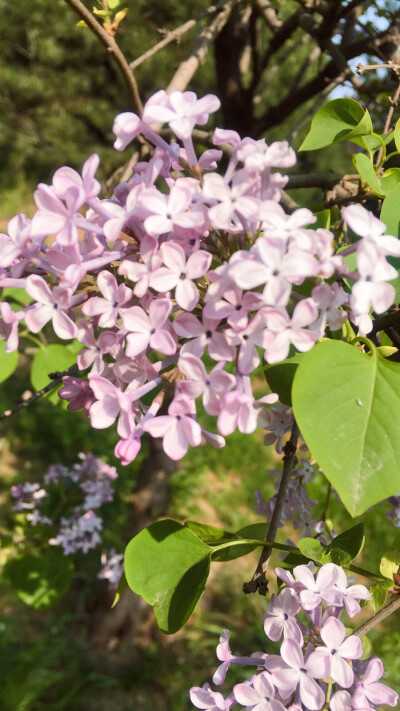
(318,665)
(183,261)
(80,530)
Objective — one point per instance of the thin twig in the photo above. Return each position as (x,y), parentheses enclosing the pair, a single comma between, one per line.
(361,68)
(393,102)
(189,66)
(259,580)
(379,617)
(56,380)
(112,47)
(173,36)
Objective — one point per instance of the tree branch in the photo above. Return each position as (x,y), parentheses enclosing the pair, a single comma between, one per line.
(189,66)
(112,47)
(383,613)
(259,580)
(56,380)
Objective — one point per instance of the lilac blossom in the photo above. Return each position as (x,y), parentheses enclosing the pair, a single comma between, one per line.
(331,660)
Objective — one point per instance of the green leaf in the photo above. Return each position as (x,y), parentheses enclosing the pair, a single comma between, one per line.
(338,120)
(347,406)
(50,359)
(252,531)
(314,550)
(211,535)
(39,581)
(396,135)
(292,559)
(18,295)
(347,545)
(390,560)
(168,566)
(323,220)
(8,362)
(390,213)
(373,142)
(379,593)
(390,179)
(366,647)
(280,376)
(365,168)
(122,585)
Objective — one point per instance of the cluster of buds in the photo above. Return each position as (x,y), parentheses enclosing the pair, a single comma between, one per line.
(183,262)
(318,664)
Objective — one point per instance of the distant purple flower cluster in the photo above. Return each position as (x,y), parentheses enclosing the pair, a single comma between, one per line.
(89,481)
(319,663)
(182,262)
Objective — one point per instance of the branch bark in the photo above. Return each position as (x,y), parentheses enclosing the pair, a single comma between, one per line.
(113,48)
(259,580)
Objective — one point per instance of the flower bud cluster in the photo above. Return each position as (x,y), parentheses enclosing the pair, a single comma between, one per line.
(318,666)
(184,261)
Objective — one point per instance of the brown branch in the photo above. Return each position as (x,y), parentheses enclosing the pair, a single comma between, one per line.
(361,68)
(56,380)
(259,580)
(383,613)
(112,47)
(270,16)
(174,36)
(189,66)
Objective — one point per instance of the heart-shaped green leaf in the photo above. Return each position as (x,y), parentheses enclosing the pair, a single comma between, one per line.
(338,120)
(168,566)
(347,406)
(390,213)
(280,376)
(8,362)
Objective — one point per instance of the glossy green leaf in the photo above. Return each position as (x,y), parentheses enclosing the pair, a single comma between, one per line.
(313,549)
(18,295)
(338,120)
(373,142)
(379,593)
(390,560)
(323,220)
(39,581)
(366,170)
(347,545)
(397,135)
(280,377)
(390,213)
(8,362)
(211,535)
(256,531)
(347,406)
(50,359)
(390,179)
(168,566)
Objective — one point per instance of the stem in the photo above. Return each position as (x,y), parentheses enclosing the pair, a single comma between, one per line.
(112,47)
(259,580)
(57,380)
(257,542)
(379,617)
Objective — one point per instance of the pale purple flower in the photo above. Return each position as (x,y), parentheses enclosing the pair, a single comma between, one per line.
(329,299)
(178,429)
(331,660)
(110,404)
(234,202)
(51,305)
(351,594)
(203,335)
(115,296)
(112,568)
(127,126)
(181,110)
(341,701)
(372,289)
(323,587)
(284,330)
(211,385)
(166,213)
(240,409)
(259,696)
(364,223)
(204,698)
(148,329)
(370,691)
(78,533)
(298,674)
(281,616)
(179,274)
(9,321)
